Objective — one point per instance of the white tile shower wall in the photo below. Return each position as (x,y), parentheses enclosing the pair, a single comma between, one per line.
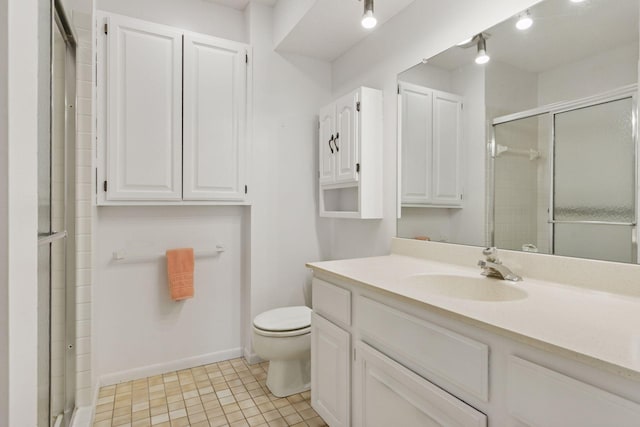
(84,165)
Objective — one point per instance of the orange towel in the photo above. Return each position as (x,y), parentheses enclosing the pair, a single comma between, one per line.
(180,271)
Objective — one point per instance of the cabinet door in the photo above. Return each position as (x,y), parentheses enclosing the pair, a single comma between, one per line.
(144,111)
(330,371)
(447,141)
(388,394)
(326,139)
(215,76)
(346,138)
(416,138)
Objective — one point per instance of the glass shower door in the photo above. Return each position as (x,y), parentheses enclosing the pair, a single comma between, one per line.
(594,203)
(56,364)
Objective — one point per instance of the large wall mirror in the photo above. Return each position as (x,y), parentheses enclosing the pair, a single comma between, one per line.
(525,139)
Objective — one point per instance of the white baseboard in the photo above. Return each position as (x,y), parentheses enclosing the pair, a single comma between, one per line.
(82,417)
(251,357)
(176,365)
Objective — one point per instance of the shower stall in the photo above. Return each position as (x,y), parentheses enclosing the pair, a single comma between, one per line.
(56,249)
(563,179)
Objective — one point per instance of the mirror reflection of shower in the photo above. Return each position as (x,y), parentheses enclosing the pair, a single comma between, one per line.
(564,181)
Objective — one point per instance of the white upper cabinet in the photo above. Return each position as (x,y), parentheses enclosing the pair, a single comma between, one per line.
(431,146)
(144,110)
(350,153)
(171,115)
(215,76)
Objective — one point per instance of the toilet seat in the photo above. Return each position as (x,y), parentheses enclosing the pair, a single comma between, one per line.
(283,322)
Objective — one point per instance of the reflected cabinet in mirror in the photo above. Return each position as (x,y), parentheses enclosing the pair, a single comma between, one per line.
(525,139)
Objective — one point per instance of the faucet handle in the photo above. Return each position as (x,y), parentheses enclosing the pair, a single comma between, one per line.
(492,254)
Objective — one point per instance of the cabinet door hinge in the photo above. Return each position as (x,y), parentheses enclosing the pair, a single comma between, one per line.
(354,354)
(358,106)
(358,167)
(246,58)
(106,28)
(246,189)
(104,186)
(398,89)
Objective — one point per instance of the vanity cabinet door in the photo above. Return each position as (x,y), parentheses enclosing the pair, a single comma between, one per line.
(215,76)
(388,394)
(144,110)
(330,371)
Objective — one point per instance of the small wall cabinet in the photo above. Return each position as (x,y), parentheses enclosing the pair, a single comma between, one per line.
(430,137)
(171,114)
(350,153)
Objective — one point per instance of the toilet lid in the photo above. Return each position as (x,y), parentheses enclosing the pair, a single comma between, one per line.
(284,319)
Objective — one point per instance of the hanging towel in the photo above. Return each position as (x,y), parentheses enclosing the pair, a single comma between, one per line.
(180,271)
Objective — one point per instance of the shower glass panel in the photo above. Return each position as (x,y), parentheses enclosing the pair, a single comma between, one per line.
(594,212)
(56,357)
(519,168)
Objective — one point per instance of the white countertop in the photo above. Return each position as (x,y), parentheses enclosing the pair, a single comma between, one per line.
(599,328)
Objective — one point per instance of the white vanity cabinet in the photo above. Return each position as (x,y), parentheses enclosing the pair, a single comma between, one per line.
(171,108)
(331,353)
(350,155)
(415,365)
(430,137)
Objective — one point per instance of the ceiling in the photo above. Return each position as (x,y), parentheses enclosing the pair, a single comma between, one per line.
(331,27)
(563,32)
(239,4)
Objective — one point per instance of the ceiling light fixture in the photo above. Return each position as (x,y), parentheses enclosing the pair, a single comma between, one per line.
(524,21)
(368,20)
(482,57)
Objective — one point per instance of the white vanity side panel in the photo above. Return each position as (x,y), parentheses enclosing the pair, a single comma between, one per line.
(541,397)
(390,394)
(331,301)
(442,356)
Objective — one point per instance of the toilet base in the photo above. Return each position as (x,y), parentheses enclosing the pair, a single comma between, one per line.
(287,377)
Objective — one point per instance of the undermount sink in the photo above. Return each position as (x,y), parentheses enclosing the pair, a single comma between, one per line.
(466,287)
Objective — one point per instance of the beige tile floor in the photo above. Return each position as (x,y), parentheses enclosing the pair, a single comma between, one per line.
(229,393)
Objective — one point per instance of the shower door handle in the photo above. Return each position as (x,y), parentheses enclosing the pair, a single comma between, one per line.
(46,238)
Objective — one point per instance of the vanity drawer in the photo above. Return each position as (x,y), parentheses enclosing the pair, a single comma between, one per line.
(446,358)
(541,397)
(332,302)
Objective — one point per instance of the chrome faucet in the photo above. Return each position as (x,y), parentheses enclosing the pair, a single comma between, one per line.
(493,267)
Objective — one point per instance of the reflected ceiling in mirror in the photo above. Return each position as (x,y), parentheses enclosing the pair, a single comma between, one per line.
(534,150)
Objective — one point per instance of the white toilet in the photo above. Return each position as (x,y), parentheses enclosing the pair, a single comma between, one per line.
(283,337)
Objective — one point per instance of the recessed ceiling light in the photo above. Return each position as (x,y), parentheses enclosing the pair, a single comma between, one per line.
(524,21)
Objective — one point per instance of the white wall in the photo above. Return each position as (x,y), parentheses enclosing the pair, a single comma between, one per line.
(137,324)
(4,216)
(592,75)
(18,188)
(468,224)
(194,15)
(422,30)
(285,229)
(286,14)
